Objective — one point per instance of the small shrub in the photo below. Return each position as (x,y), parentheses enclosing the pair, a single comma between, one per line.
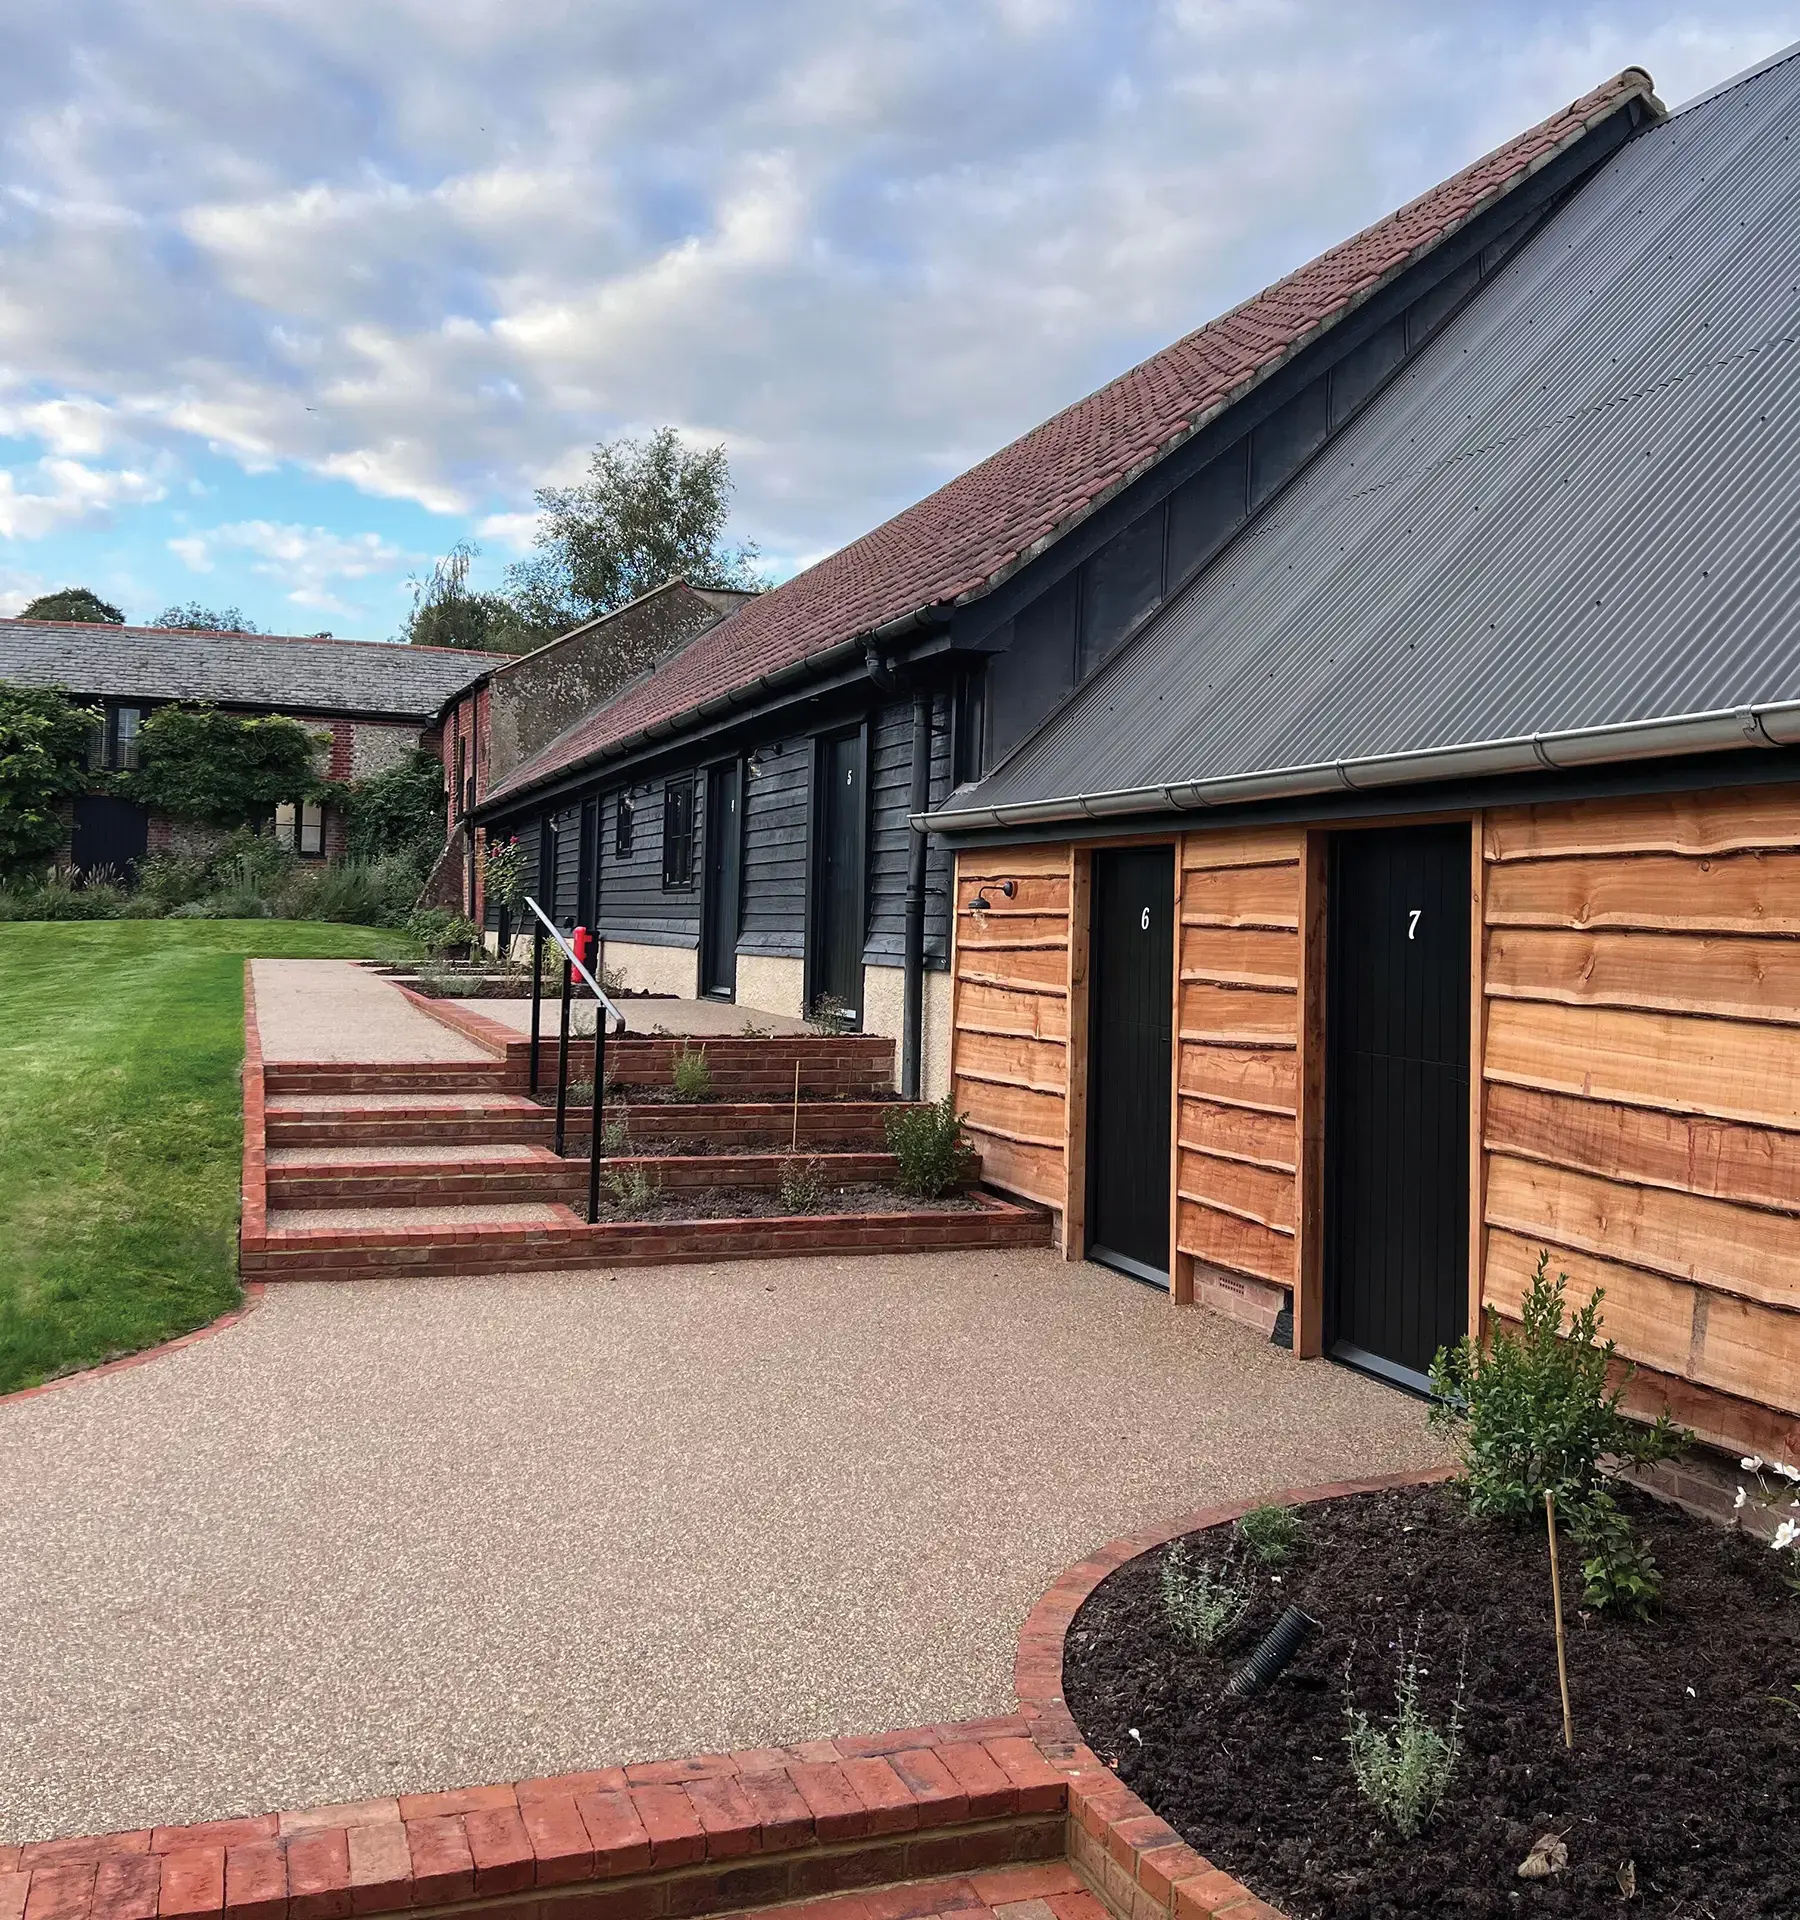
(369,893)
(1531,1410)
(442,983)
(1203,1602)
(174,880)
(1403,1767)
(828,1014)
(616,1136)
(629,1190)
(748,1031)
(931,1147)
(1271,1533)
(438,930)
(802,1186)
(1619,1572)
(61,895)
(691,1076)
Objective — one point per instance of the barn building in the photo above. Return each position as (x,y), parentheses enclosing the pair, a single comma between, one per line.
(1328,803)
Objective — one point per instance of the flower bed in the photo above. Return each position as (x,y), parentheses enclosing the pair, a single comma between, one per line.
(769,1203)
(1687,1726)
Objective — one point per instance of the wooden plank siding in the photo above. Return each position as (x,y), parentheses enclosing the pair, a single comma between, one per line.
(1010,1017)
(1237,1062)
(1641,1071)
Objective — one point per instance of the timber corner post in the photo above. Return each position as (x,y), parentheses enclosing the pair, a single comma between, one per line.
(1181,1265)
(1075,1084)
(1477,1072)
(1309,1122)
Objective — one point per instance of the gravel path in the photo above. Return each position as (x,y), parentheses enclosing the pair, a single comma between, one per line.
(335,1010)
(432,1533)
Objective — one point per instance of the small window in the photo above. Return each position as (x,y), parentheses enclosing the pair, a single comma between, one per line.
(622,827)
(125,736)
(301,829)
(459,787)
(678,833)
(967,725)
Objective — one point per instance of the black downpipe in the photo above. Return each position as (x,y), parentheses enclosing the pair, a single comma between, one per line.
(912,1043)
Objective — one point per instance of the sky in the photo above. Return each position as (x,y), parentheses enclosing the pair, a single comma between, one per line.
(296,293)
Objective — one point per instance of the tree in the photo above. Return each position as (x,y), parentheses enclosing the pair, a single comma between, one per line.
(400,810)
(205,619)
(205,765)
(446,613)
(74,603)
(649,511)
(43,759)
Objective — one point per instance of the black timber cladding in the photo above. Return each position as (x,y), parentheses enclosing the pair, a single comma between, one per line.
(1572,510)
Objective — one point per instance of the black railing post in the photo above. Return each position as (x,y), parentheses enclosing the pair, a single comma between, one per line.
(537,991)
(599,1114)
(562,1061)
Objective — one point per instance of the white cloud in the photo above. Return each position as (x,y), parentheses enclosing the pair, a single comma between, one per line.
(306,562)
(58,492)
(435,253)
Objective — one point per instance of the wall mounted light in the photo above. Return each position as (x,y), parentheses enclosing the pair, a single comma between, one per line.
(982,904)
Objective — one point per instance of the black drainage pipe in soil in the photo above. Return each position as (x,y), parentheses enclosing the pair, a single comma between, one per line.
(1283,1640)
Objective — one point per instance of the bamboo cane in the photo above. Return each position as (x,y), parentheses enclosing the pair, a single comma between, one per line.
(1562,1660)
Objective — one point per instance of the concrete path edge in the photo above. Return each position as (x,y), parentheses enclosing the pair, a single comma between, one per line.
(1133,1860)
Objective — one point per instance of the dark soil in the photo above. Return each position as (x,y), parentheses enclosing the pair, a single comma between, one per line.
(766,1203)
(1687,1729)
(701,1146)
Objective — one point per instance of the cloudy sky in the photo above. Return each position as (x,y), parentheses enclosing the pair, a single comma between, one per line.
(294,293)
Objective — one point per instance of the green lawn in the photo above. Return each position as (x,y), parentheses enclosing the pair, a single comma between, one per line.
(121,1127)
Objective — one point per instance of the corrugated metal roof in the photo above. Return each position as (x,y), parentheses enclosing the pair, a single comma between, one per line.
(238,669)
(1578,508)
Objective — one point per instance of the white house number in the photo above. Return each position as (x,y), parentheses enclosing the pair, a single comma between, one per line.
(1412,923)
(1144,920)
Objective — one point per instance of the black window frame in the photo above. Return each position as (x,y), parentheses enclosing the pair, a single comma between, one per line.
(116,749)
(678,834)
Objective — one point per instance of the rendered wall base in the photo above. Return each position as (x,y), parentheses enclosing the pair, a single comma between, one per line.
(656,969)
(884,1012)
(772,983)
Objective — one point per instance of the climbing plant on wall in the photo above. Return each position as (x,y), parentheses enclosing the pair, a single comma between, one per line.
(224,768)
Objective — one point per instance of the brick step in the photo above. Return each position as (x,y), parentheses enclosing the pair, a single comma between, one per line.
(419,1076)
(386,1182)
(850,1064)
(939,1820)
(394,1242)
(768,1126)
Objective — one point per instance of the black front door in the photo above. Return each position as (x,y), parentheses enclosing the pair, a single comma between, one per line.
(1397,1098)
(1130,1016)
(109,832)
(724,854)
(838,873)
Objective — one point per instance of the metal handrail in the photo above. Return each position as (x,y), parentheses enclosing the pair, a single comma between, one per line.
(605,1015)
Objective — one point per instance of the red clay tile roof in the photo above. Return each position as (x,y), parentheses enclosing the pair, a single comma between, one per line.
(964,539)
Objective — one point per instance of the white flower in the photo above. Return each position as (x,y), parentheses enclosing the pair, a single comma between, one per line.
(1741,1498)
(1786,1472)
(1751,1463)
(1786,1534)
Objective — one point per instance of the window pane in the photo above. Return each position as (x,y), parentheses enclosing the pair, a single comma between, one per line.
(312,827)
(284,824)
(125,736)
(622,830)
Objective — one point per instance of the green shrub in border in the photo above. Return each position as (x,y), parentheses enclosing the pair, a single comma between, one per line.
(690,1075)
(931,1147)
(1271,1533)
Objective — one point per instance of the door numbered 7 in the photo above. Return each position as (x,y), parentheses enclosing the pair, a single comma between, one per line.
(1412,923)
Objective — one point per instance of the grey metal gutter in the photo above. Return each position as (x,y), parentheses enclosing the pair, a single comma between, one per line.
(1769,724)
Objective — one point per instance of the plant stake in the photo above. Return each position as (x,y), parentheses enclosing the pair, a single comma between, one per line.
(794,1143)
(1562,1662)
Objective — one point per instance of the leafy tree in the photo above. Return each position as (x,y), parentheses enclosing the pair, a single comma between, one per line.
(447,613)
(43,759)
(650,510)
(74,603)
(223,768)
(400,810)
(205,619)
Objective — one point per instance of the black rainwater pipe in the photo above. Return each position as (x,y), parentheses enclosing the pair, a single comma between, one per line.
(912,1023)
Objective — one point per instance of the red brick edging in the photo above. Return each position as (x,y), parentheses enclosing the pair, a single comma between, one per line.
(1134,1860)
(253,1298)
(675,1838)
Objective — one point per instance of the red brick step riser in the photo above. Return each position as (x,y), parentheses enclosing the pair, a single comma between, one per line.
(405,1076)
(664,1841)
(765,1125)
(427,1249)
(406,1183)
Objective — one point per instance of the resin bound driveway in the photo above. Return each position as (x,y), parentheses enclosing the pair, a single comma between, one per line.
(423,1533)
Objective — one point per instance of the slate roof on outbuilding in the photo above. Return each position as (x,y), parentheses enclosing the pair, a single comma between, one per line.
(1565,533)
(967,537)
(288,674)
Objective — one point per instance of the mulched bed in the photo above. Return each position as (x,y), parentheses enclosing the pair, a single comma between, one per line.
(1687,1729)
(765,1203)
